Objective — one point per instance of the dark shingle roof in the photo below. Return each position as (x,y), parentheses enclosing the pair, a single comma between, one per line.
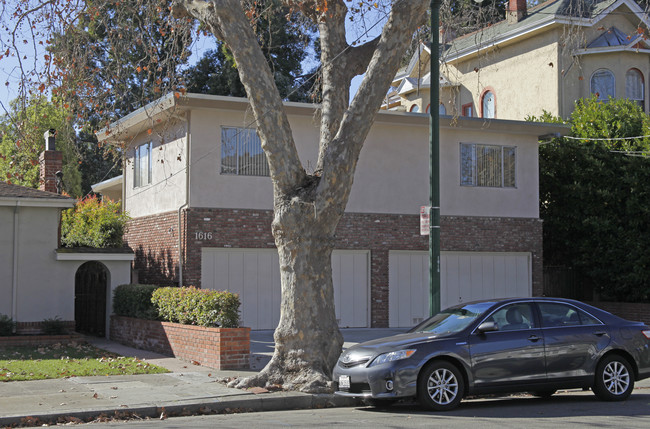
(544,12)
(15,191)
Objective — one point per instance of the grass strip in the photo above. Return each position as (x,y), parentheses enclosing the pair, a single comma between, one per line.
(21,363)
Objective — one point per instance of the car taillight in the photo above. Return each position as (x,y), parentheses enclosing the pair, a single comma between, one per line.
(647,334)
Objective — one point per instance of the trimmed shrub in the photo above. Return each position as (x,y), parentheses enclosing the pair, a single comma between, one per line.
(93,223)
(6,325)
(134,300)
(202,307)
(54,326)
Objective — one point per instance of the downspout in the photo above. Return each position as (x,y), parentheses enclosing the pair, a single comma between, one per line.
(14,274)
(187,202)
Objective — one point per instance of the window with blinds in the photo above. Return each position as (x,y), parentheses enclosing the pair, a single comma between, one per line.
(487,165)
(241,152)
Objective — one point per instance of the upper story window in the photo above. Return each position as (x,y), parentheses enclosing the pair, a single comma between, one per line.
(142,165)
(468,110)
(603,84)
(442,110)
(489,104)
(487,165)
(635,88)
(414,108)
(241,152)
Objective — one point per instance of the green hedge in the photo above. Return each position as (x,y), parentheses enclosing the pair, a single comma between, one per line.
(134,300)
(6,325)
(202,307)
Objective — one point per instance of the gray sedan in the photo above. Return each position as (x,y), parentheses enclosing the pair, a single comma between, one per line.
(535,345)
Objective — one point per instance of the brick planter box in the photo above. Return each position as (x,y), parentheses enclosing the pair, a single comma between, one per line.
(28,340)
(219,348)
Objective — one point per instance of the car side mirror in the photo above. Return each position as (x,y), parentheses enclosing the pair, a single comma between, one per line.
(487,327)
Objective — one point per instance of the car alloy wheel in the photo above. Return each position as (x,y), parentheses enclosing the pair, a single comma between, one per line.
(440,386)
(614,379)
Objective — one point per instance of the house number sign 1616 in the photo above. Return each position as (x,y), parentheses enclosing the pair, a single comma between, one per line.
(203,235)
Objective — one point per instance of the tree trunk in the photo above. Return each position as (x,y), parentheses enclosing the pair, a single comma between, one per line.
(307,339)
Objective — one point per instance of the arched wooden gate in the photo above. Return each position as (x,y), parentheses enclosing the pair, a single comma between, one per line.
(91,281)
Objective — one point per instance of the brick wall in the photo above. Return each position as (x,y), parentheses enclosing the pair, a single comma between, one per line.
(28,340)
(636,311)
(154,239)
(35,328)
(378,233)
(220,348)
(50,162)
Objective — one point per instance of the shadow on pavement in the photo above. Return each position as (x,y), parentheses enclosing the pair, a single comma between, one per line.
(568,404)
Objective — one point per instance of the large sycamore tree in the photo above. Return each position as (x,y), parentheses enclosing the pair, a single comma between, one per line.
(307,207)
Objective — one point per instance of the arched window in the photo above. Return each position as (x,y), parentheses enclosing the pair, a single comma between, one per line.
(414,108)
(488,104)
(427,110)
(634,87)
(442,110)
(603,84)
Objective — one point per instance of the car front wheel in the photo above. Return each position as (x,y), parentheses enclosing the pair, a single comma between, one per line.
(440,386)
(614,379)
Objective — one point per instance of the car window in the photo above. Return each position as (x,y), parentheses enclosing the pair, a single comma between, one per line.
(513,317)
(558,314)
(453,319)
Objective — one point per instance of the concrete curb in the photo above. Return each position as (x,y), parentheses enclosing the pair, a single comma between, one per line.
(277,401)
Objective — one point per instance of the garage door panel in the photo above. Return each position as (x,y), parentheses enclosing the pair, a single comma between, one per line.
(254,274)
(465,276)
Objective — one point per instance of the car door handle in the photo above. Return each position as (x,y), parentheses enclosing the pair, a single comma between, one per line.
(600,333)
(534,338)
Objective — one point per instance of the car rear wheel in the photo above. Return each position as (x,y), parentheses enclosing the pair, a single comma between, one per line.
(440,386)
(614,379)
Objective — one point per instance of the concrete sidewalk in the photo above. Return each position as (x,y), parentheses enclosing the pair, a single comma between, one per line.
(186,389)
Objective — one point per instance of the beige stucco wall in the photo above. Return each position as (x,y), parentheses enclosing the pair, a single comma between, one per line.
(42,289)
(169,159)
(392,175)
(523,76)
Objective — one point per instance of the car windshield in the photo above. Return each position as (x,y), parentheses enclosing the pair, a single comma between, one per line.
(453,319)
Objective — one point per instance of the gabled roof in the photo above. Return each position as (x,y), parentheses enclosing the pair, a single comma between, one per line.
(11,195)
(551,12)
(614,40)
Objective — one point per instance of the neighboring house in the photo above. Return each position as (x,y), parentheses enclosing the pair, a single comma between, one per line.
(41,281)
(196,179)
(544,58)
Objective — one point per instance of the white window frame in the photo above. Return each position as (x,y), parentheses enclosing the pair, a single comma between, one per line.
(237,143)
(142,165)
(478,169)
(603,89)
(635,87)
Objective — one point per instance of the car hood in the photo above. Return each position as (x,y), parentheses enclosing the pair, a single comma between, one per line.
(363,351)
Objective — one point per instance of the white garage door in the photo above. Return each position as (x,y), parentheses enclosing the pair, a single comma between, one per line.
(254,274)
(464,276)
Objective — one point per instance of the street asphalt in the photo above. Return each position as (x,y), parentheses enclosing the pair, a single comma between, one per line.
(186,390)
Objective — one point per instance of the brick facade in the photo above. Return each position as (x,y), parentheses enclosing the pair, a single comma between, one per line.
(50,162)
(220,348)
(155,241)
(636,311)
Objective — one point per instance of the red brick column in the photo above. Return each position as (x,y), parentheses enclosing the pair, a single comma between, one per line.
(50,162)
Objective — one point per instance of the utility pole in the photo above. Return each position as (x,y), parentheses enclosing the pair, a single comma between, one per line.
(434,158)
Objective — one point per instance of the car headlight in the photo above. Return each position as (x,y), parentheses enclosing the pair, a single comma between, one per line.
(392,356)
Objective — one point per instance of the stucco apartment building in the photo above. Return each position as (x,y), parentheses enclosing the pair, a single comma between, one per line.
(542,58)
(196,185)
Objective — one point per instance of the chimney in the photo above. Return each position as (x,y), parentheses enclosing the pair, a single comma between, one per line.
(51,164)
(516,11)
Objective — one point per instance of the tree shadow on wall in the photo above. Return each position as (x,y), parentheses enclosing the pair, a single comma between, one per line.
(154,267)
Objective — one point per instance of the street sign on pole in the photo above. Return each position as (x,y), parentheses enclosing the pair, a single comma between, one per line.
(424,220)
